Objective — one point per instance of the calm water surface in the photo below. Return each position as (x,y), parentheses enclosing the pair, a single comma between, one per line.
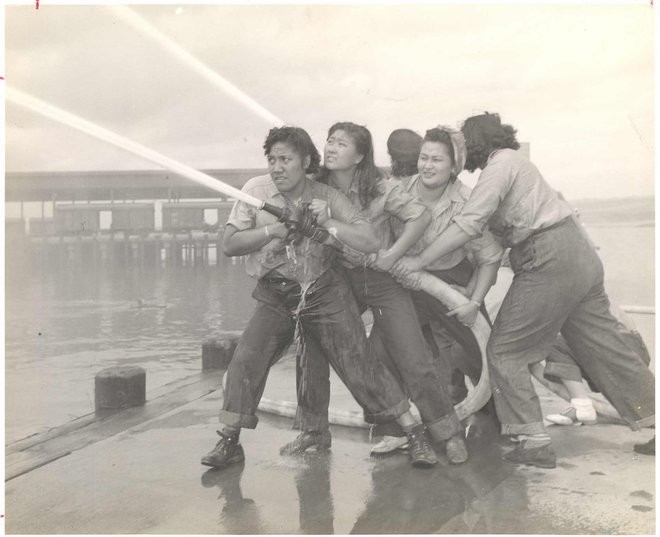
(64,324)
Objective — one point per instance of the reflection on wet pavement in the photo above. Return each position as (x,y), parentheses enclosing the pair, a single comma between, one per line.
(148,479)
(239,515)
(314,495)
(444,499)
(398,499)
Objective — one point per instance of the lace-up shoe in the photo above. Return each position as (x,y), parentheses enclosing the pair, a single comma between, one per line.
(419,448)
(227,451)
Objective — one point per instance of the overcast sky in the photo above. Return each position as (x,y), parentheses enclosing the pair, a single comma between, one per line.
(575,80)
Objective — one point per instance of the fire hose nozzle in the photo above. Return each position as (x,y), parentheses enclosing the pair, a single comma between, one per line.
(280,212)
(299,220)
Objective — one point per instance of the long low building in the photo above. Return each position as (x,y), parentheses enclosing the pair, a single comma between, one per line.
(116,185)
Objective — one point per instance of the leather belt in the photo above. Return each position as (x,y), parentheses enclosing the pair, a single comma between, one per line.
(552,226)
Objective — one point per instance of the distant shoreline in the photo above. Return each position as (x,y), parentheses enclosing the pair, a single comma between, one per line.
(642,223)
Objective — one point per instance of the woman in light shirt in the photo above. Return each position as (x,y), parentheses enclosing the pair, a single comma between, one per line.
(440,160)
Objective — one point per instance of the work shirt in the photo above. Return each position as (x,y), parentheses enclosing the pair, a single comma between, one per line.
(512,198)
(303,262)
(393,201)
(484,249)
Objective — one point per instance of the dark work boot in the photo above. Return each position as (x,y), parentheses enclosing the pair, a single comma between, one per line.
(226,452)
(541,456)
(321,440)
(419,448)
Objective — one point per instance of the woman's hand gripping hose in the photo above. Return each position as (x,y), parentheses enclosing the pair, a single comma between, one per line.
(301,222)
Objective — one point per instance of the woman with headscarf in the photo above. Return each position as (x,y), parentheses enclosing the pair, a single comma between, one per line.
(472,269)
(557,287)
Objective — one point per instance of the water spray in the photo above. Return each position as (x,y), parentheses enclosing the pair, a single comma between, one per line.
(140,24)
(57,114)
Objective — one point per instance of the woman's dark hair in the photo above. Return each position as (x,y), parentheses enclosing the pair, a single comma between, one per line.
(367,173)
(484,134)
(403,145)
(299,141)
(441,136)
(403,168)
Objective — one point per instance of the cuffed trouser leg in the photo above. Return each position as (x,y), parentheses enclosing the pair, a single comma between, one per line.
(523,333)
(601,346)
(267,335)
(558,286)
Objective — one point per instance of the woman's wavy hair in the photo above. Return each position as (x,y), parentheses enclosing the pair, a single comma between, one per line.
(367,174)
(299,141)
(484,134)
(441,136)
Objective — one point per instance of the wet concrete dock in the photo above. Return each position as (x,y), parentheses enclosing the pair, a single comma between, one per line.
(139,472)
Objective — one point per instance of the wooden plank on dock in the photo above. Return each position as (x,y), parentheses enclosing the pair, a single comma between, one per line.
(40,449)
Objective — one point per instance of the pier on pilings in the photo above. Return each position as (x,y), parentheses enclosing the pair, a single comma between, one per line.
(153,249)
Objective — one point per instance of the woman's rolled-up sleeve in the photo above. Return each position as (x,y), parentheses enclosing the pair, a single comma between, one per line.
(401,204)
(486,249)
(242,216)
(493,185)
(342,209)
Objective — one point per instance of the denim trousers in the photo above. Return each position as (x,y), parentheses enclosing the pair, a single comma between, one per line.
(330,324)
(558,288)
(396,344)
(560,363)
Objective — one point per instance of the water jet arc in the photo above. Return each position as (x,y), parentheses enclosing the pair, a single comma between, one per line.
(57,114)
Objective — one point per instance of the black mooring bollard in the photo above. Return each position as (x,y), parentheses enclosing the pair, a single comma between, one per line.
(120,387)
(217,353)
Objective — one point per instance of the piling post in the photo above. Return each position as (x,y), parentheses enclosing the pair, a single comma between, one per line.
(172,251)
(135,253)
(120,387)
(127,245)
(205,250)
(61,251)
(217,353)
(158,252)
(218,251)
(141,250)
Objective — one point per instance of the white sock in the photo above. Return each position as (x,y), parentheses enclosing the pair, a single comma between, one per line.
(584,409)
